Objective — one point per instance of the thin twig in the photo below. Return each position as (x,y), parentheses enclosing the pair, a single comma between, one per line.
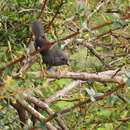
(43,7)
(101,58)
(57,12)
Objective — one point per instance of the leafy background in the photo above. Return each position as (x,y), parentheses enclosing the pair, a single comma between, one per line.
(15,35)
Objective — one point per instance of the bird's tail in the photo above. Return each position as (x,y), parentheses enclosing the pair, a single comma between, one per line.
(37,28)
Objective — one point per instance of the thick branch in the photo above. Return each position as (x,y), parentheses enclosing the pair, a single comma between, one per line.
(21,112)
(47,109)
(100,77)
(40,117)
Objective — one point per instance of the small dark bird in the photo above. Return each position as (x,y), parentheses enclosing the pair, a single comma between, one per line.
(50,56)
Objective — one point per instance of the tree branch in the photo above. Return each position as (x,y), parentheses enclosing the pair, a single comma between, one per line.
(47,109)
(57,11)
(62,92)
(100,77)
(106,94)
(40,117)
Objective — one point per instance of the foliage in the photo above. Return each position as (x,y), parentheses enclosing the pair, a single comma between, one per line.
(15,36)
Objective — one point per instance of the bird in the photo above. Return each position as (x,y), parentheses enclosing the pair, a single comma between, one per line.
(50,56)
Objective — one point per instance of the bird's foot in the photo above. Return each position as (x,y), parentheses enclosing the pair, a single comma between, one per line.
(61,69)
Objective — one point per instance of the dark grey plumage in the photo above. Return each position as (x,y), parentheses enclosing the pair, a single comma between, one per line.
(37,28)
(50,56)
(55,57)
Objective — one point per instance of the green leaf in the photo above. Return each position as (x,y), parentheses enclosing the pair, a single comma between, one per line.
(127,74)
(128,82)
(118,24)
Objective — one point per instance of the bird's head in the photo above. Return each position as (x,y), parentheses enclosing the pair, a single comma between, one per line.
(64,60)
